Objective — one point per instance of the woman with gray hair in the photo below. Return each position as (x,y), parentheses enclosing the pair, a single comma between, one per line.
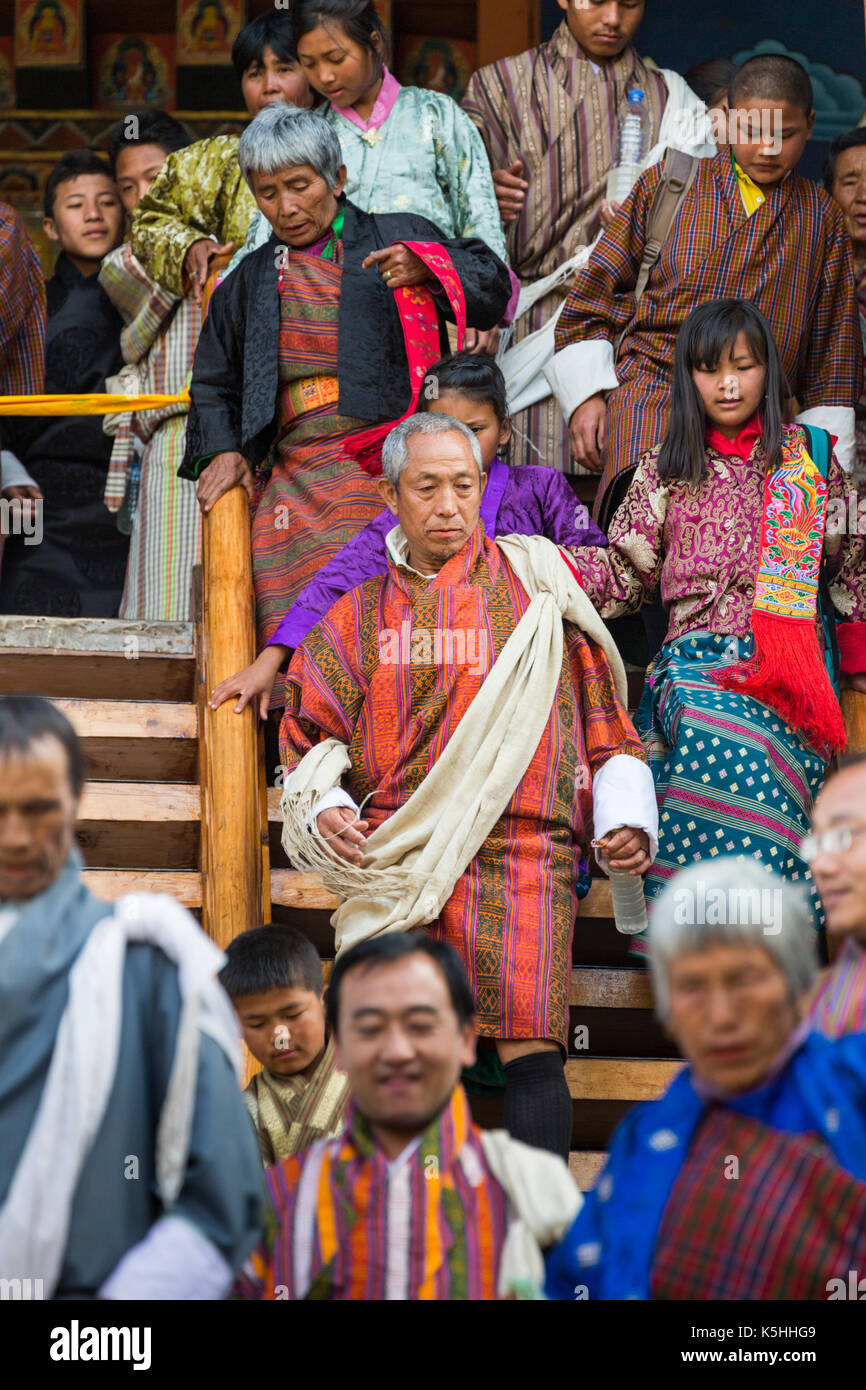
(326,329)
(747,1179)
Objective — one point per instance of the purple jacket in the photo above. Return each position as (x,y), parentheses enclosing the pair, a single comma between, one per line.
(532,500)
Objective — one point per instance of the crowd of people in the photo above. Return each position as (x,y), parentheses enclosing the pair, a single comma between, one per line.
(411,332)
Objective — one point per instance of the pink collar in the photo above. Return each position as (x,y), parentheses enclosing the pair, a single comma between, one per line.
(388,94)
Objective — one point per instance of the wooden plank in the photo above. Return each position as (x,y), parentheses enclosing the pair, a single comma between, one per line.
(291,889)
(117,635)
(136,740)
(598,902)
(585,1166)
(854,711)
(57,672)
(110,884)
(235,891)
(140,825)
(593,988)
(617,1078)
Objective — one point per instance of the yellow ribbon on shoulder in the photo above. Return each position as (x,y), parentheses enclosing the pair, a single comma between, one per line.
(97,403)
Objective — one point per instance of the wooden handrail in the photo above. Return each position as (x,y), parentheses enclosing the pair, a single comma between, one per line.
(235,883)
(854,713)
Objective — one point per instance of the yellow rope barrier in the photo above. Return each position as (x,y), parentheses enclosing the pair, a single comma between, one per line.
(98,403)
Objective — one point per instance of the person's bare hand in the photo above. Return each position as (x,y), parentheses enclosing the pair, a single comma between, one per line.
(854,683)
(627,849)
(224,472)
(196,264)
(254,680)
(343,832)
(399,267)
(608,212)
(477,340)
(28,497)
(510,187)
(587,431)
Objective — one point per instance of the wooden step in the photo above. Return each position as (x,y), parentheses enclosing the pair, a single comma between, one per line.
(619,1078)
(110,884)
(140,825)
(82,657)
(136,740)
(596,988)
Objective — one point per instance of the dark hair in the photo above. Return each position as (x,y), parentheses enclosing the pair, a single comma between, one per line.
(706,333)
(473,375)
(843,762)
(849,141)
(153,127)
(771,76)
(273,957)
(381,950)
(358,18)
(24,719)
(273,29)
(711,77)
(71,165)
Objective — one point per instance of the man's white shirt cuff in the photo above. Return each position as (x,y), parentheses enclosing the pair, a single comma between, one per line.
(174,1261)
(624,794)
(579,371)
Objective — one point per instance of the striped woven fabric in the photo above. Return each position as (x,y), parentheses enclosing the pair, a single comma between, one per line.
(22,309)
(511,914)
(781,1227)
(316,497)
(791,258)
(551,110)
(346,1224)
(839,1001)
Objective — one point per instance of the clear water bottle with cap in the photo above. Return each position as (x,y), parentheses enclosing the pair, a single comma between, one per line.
(629,904)
(634,145)
(126,515)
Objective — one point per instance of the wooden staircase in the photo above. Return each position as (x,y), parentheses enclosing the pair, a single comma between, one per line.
(177,802)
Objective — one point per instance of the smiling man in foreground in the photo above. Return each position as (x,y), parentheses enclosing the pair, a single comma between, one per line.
(411,1201)
(473,702)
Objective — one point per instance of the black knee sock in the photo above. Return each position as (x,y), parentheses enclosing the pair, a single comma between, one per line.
(538,1103)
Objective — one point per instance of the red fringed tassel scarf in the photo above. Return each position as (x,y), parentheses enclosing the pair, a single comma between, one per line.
(787,669)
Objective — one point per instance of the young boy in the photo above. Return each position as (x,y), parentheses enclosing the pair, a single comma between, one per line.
(274,978)
(750,226)
(77,569)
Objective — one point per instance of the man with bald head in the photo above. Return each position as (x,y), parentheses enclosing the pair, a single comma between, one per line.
(836,853)
(467,700)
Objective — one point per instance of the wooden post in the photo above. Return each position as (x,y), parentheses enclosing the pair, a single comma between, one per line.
(506,27)
(235,887)
(854,712)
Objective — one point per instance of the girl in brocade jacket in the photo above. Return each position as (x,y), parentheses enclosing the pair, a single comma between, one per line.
(745,524)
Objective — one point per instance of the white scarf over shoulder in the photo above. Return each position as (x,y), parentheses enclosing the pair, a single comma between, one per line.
(34,1219)
(414,859)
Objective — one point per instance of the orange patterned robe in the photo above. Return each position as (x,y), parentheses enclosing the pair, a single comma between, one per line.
(390,672)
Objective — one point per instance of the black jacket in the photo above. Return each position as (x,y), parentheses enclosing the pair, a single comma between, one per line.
(235,378)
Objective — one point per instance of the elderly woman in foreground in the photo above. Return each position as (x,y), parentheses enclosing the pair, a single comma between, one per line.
(326,329)
(747,1179)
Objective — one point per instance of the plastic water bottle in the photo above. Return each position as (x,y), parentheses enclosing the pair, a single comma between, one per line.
(126,515)
(629,904)
(634,144)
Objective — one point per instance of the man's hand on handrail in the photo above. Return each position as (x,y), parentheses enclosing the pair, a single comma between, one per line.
(224,472)
(253,681)
(197,264)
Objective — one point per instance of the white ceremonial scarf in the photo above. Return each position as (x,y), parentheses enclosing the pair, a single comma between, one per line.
(34,1219)
(413,860)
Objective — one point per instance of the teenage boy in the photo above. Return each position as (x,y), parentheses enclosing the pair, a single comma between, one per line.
(274,978)
(200,206)
(77,568)
(750,226)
